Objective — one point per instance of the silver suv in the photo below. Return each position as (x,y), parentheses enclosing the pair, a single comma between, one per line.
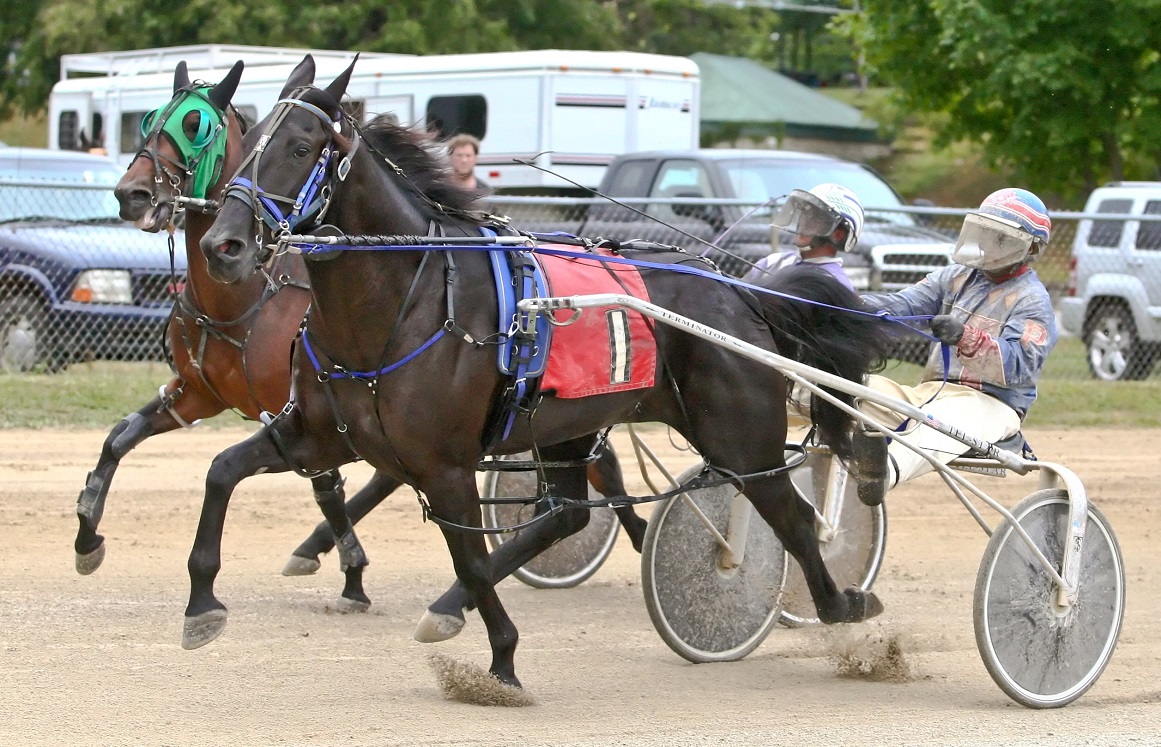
(1113,299)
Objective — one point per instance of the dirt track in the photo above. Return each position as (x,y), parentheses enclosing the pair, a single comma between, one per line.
(96,660)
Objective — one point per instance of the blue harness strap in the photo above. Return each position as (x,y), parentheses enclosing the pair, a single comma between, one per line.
(523,352)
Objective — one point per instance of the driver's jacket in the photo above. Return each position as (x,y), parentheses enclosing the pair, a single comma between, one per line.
(1010,328)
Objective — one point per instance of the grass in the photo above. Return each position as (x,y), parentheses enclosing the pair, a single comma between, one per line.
(86,395)
(98,395)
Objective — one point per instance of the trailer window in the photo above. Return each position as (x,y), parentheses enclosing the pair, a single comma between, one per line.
(66,131)
(451,115)
(131,137)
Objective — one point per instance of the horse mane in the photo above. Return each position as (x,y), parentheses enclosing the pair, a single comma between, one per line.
(243,123)
(412,150)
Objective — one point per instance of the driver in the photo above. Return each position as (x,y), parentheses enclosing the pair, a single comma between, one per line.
(995,315)
(825,220)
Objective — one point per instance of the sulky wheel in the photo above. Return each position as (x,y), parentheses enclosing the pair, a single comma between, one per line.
(853,554)
(702,610)
(568,562)
(1040,654)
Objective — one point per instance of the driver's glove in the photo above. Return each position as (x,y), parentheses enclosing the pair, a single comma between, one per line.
(947,329)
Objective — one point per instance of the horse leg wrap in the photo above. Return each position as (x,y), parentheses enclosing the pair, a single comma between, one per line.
(90,503)
(130,436)
(351,554)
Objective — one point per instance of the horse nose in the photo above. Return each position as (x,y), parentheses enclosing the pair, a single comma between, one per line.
(134,201)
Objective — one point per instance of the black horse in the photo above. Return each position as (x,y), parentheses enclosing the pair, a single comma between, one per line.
(415,403)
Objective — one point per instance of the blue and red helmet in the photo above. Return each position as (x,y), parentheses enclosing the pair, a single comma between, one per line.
(1024,208)
(1011,228)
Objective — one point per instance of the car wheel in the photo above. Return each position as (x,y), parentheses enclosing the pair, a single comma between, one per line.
(23,333)
(1115,353)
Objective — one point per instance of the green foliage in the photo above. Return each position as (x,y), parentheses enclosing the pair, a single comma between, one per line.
(1065,95)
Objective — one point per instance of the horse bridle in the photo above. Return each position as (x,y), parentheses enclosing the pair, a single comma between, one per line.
(313,199)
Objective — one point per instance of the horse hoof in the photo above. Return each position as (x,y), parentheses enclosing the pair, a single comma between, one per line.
(436,627)
(201,629)
(863,604)
(300,566)
(345,605)
(90,562)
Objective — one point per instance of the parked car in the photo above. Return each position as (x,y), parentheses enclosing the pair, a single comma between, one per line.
(76,282)
(1113,298)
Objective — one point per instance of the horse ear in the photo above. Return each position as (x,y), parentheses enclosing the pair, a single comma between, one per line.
(221,94)
(302,75)
(338,86)
(180,77)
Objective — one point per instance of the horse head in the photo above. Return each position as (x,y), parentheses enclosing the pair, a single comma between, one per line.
(314,166)
(189,144)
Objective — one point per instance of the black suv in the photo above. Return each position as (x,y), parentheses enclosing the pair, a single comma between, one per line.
(76,282)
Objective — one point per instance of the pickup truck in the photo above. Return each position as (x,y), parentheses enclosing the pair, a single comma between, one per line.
(893,252)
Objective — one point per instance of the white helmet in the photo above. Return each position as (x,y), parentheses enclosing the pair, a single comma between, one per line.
(820,211)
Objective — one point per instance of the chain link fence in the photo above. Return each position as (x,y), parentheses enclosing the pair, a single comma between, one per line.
(78,284)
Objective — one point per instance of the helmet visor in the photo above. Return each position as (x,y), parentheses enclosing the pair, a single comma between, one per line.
(991,244)
(805,214)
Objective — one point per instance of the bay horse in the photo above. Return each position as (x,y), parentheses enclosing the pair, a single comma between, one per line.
(231,342)
(375,377)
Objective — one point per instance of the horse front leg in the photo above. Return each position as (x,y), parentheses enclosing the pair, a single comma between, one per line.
(205,615)
(150,420)
(456,500)
(304,561)
(328,493)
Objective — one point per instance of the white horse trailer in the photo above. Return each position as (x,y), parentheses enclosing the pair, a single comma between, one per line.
(567,111)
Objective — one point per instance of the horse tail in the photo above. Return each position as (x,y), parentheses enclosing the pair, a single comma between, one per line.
(825,335)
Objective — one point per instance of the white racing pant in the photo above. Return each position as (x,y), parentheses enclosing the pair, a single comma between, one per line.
(966,409)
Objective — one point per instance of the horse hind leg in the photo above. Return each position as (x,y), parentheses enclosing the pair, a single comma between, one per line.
(792,519)
(606,477)
(304,561)
(328,493)
(89,546)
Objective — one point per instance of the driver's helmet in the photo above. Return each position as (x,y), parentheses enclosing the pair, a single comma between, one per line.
(1011,228)
(818,212)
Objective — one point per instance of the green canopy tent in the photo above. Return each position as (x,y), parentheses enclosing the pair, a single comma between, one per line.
(742,98)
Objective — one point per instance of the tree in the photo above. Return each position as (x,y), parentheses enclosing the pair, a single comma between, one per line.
(1065,94)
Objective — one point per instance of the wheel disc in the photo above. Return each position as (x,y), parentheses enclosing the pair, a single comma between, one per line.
(701,610)
(1043,656)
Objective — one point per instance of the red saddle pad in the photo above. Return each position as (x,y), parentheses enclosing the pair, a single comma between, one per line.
(607,349)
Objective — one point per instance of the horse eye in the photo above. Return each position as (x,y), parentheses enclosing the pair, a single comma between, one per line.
(302,151)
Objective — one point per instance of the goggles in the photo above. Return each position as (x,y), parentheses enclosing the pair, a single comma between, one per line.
(991,243)
(803,213)
(173,122)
